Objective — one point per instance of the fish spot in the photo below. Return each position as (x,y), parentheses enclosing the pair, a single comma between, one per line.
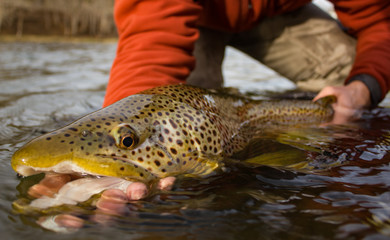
(161,138)
(122,168)
(157,163)
(173,150)
(160,154)
(179,142)
(48,138)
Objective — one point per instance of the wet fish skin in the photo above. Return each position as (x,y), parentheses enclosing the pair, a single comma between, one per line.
(165,131)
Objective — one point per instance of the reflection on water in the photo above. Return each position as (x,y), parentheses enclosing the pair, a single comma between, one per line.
(43,86)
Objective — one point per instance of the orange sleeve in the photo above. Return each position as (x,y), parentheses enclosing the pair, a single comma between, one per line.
(369,21)
(156,40)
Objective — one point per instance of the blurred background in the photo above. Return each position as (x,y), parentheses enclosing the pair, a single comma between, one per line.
(59,17)
(66,17)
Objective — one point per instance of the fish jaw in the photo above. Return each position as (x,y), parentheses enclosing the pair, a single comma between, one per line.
(34,158)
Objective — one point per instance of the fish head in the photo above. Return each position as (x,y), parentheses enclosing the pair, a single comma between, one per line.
(142,137)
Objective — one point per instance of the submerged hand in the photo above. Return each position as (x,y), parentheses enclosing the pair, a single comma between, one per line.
(351,100)
(111,202)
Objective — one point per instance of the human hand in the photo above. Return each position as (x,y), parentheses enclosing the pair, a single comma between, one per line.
(112,201)
(351,100)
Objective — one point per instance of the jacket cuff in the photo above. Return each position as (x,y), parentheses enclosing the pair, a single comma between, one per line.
(372,85)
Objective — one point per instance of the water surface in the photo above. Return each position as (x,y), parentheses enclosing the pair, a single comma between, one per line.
(46,85)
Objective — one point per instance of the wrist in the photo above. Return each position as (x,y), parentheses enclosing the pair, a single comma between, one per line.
(360,93)
(372,85)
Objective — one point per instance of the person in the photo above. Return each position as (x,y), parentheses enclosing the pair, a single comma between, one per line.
(177,41)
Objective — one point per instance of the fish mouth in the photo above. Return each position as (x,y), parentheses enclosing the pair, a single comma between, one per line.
(61,168)
(100,165)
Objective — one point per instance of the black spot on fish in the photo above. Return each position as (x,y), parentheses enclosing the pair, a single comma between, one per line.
(179,142)
(173,150)
(160,154)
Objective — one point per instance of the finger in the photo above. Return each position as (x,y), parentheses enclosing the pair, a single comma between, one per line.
(136,191)
(69,221)
(39,190)
(55,181)
(113,202)
(50,185)
(111,208)
(166,184)
(114,195)
(63,223)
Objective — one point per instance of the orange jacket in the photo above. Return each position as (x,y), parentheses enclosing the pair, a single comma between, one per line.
(156,38)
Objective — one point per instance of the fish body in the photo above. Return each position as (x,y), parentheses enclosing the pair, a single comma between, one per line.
(165,131)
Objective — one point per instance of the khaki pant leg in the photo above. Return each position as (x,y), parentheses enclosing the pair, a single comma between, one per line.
(306,46)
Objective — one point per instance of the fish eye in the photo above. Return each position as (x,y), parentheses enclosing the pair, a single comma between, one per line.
(128,141)
(125,136)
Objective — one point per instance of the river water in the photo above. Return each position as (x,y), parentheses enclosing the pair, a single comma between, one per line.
(46,85)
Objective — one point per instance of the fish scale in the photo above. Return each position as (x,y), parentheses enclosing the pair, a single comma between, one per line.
(165,131)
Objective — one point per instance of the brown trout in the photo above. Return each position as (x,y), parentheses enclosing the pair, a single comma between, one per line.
(165,131)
